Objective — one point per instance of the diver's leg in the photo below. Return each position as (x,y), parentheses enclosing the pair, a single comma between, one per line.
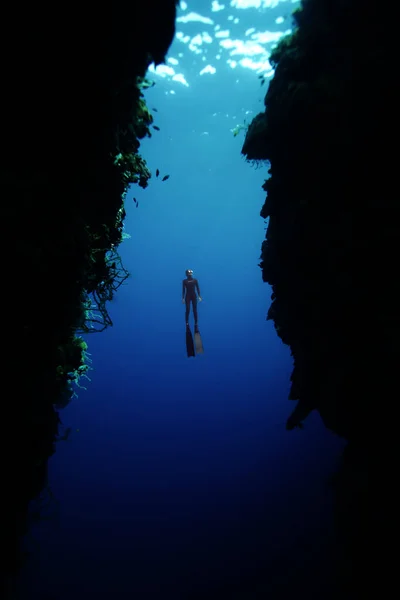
(194,301)
(187,311)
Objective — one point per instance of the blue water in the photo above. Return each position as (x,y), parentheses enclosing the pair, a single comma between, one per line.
(179,480)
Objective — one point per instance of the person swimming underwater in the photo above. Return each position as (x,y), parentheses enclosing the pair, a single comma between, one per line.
(189,287)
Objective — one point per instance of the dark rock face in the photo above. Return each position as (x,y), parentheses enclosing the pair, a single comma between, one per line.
(71,103)
(330,251)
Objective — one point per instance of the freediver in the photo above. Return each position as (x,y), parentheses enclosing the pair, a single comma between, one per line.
(189,287)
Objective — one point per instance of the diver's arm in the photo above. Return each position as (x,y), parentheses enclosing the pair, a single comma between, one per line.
(198,290)
(183,291)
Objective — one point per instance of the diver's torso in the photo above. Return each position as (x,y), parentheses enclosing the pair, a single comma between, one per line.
(190,285)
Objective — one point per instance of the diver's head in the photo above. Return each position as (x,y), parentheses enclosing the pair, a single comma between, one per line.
(189,273)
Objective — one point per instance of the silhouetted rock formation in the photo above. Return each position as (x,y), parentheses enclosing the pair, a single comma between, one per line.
(331,244)
(72,117)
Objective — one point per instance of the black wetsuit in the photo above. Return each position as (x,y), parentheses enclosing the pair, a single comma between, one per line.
(189,287)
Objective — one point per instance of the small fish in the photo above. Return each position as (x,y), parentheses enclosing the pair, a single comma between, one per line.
(165,178)
(135,201)
(262,81)
(155,110)
(137,204)
(157,172)
(156,128)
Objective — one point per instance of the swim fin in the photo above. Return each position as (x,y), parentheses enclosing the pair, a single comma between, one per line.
(189,342)
(197,342)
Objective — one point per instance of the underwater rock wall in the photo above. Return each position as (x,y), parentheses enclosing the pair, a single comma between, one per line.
(330,252)
(72,117)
